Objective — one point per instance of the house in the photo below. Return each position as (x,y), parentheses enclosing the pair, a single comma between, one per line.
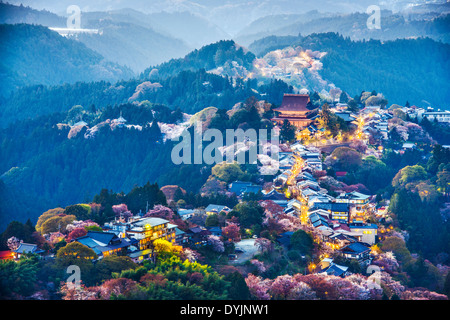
(318,220)
(142,232)
(294,109)
(347,116)
(408,146)
(216,209)
(198,236)
(119,122)
(336,270)
(337,211)
(358,203)
(368,231)
(319,198)
(240,188)
(215,231)
(357,251)
(25,248)
(181,237)
(186,213)
(105,243)
(332,269)
(440,116)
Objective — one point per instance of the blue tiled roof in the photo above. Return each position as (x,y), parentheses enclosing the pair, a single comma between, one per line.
(355,248)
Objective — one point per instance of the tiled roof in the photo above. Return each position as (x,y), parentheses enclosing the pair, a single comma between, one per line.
(294,102)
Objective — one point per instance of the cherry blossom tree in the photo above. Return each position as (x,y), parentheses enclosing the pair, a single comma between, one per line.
(76,233)
(232,232)
(160,211)
(264,245)
(119,208)
(216,244)
(259,265)
(281,287)
(258,287)
(13,243)
(301,291)
(70,292)
(80,224)
(422,295)
(190,254)
(116,287)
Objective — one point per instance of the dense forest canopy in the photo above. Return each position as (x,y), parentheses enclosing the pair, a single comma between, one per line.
(403,70)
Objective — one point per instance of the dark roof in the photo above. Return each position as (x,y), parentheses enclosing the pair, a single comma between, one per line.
(102,241)
(27,248)
(294,102)
(215,229)
(285,238)
(103,237)
(332,206)
(318,220)
(215,208)
(355,248)
(274,195)
(335,270)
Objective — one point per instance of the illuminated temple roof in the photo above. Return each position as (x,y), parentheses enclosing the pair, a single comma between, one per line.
(294,102)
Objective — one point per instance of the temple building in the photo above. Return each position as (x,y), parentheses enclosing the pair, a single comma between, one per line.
(293,108)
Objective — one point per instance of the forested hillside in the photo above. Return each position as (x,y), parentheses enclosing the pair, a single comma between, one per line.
(403,70)
(354,25)
(183,83)
(32,54)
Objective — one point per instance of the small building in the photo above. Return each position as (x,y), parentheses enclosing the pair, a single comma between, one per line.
(105,243)
(358,203)
(25,248)
(241,188)
(215,231)
(181,237)
(368,231)
(357,251)
(186,213)
(337,211)
(216,209)
(333,269)
(198,236)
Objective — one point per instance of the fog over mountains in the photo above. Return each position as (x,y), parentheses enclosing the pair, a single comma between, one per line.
(233,15)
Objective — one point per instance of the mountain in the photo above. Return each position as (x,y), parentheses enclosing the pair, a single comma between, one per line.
(11,14)
(132,45)
(32,54)
(209,57)
(414,70)
(126,37)
(230,15)
(193,29)
(353,25)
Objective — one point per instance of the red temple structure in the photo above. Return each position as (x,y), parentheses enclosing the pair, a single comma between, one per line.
(293,108)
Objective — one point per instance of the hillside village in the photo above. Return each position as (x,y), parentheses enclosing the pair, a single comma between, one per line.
(326,227)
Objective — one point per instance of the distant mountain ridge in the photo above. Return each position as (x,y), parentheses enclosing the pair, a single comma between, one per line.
(354,25)
(33,54)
